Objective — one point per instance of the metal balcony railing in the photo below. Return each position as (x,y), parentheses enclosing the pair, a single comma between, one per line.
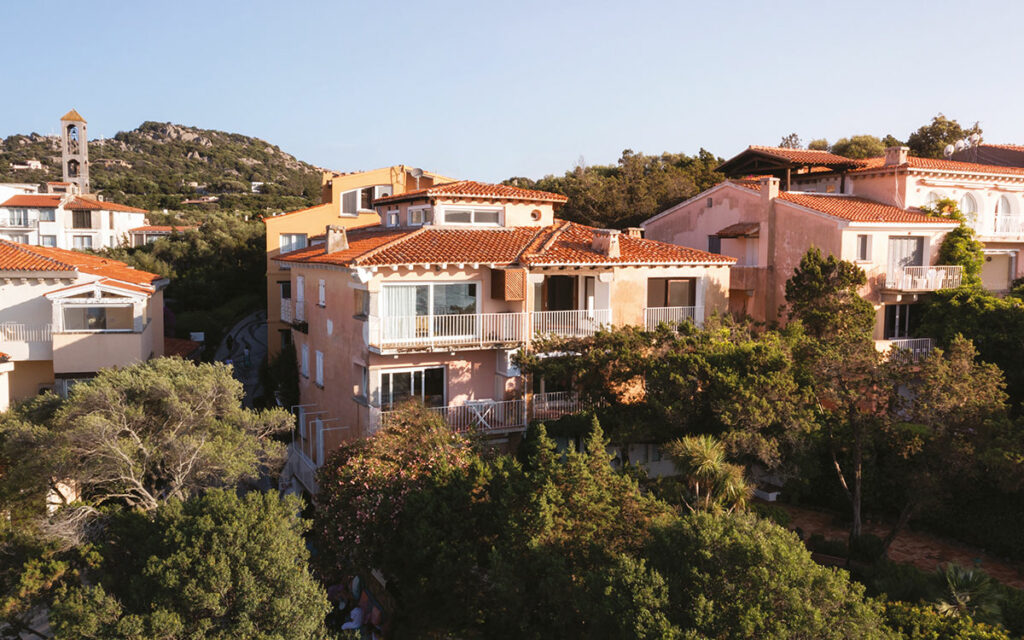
(923,278)
(503,415)
(573,324)
(672,316)
(287,311)
(910,349)
(13,332)
(1008,226)
(449,330)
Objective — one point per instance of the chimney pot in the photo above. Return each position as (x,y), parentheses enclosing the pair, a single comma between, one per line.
(895,156)
(606,242)
(337,239)
(634,232)
(769,188)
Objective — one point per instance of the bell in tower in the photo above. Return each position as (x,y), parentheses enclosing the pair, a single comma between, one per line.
(75,150)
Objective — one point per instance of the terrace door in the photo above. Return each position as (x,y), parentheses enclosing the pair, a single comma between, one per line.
(904,252)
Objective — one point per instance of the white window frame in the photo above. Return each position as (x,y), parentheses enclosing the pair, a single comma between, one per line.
(380,373)
(473,211)
(418,215)
(295,242)
(867,248)
(430,296)
(53,241)
(379,191)
(321,292)
(319,368)
(84,240)
(391,218)
(304,361)
(50,213)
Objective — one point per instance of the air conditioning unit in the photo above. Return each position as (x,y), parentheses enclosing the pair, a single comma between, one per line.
(381,191)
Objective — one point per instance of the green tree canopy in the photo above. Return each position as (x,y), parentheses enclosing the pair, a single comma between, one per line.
(215,566)
(824,294)
(930,140)
(862,146)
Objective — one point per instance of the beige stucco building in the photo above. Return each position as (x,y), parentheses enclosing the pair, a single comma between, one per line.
(433,302)
(346,200)
(64,315)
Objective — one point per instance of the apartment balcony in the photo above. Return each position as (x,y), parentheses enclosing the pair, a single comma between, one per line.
(26,342)
(504,416)
(481,330)
(18,223)
(911,350)
(76,351)
(1007,226)
(287,310)
(672,316)
(748,277)
(923,279)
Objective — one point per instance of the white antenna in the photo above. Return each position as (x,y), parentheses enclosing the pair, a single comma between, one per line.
(948,151)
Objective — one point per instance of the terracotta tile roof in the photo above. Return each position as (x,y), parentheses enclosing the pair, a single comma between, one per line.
(4,357)
(740,229)
(805,156)
(289,213)
(91,204)
(152,228)
(937,164)
(34,201)
(72,115)
(180,347)
(1010,147)
(564,243)
(15,256)
(571,243)
(19,257)
(857,209)
(472,189)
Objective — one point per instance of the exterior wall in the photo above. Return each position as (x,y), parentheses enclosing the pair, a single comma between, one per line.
(90,352)
(29,377)
(516,214)
(107,228)
(629,290)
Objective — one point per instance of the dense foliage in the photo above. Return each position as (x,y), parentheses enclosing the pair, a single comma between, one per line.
(154,166)
(930,140)
(558,544)
(627,193)
(215,567)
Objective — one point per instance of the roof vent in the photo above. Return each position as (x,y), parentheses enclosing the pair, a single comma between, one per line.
(606,242)
(337,239)
(895,156)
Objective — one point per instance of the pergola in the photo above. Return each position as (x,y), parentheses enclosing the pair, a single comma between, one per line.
(782,163)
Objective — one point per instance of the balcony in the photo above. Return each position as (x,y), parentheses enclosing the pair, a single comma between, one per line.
(287,311)
(1008,226)
(579,323)
(672,316)
(18,223)
(919,279)
(503,416)
(25,342)
(453,330)
(482,330)
(906,350)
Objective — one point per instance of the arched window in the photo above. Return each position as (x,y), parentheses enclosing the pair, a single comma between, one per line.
(1004,206)
(969,207)
(73,139)
(933,197)
(72,168)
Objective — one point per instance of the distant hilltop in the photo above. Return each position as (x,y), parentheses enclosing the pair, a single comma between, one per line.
(161,165)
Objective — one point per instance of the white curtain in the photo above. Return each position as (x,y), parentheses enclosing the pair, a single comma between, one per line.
(400,311)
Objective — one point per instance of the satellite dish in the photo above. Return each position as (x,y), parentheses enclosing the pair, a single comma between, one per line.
(960,145)
(975,139)
(416,173)
(948,151)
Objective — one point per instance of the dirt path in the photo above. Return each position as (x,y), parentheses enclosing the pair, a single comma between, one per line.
(923,550)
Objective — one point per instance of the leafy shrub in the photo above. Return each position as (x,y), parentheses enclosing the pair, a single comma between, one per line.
(917,622)
(1013,609)
(819,544)
(866,548)
(772,512)
(901,582)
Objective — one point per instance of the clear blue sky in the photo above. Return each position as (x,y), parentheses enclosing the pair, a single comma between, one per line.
(489,90)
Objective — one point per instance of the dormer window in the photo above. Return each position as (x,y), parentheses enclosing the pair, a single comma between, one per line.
(483,217)
(418,216)
(391,218)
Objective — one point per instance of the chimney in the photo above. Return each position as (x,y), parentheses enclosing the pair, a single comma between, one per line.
(895,156)
(769,188)
(606,242)
(337,239)
(634,232)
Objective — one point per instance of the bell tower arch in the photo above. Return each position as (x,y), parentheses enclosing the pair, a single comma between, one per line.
(75,150)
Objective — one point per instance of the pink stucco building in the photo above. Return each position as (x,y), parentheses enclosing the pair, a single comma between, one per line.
(780,202)
(433,302)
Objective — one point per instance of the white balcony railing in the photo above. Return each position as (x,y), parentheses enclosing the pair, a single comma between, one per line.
(573,324)
(450,330)
(480,415)
(1008,226)
(923,278)
(287,311)
(910,349)
(503,415)
(18,223)
(552,406)
(12,332)
(300,311)
(672,316)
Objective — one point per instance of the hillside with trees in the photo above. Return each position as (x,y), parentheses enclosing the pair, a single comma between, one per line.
(159,165)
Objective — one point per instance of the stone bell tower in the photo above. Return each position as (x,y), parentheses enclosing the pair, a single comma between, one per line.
(75,150)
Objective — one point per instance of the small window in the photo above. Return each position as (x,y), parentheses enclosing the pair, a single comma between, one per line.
(711,202)
(366,199)
(473,216)
(81,219)
(487,217)
(47,241)
(362,302)
(320,368)
(82,242)
(350,202)
(321,293)
(304,361)
(47,215)
(391,218)
(292,242)
(863,248)
(714,244)
(286,289)
(459,217)
(363,384)
(286,337)
(417,216)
